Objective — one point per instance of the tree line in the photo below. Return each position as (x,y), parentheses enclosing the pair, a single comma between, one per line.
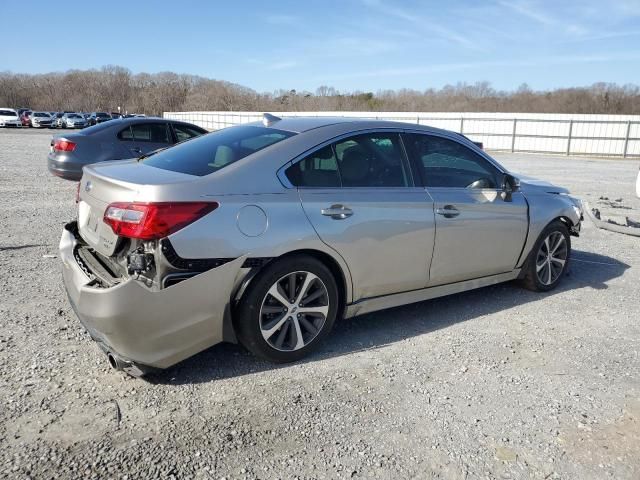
(110,87)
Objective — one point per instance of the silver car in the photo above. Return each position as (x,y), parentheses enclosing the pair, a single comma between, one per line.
(73,120)
(266,233)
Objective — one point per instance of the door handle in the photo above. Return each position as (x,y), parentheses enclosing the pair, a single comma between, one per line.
(448,211)
(337,212)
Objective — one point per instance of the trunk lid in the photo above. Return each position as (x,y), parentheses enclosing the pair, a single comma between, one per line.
(116,181)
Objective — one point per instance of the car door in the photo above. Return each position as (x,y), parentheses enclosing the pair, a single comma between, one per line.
(143,138)
(479,231)
(359,195)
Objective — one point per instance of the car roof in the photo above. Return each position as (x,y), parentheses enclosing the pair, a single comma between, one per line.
(305,124)
(107,128)
(134,120)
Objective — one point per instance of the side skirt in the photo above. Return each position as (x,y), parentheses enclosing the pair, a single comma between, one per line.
(368,305)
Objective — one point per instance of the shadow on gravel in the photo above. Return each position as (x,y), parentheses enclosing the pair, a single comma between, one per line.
(375,330)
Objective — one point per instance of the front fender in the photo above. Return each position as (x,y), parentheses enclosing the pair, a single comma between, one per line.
(544,208)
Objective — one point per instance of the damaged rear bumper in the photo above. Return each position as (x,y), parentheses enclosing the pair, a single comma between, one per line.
(146,328)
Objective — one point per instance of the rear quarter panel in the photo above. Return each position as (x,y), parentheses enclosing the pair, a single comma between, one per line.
(262,225)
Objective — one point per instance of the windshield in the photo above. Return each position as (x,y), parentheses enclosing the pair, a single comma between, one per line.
(74,115)
(100,114)
(7,113)
(209,153)
(41,114)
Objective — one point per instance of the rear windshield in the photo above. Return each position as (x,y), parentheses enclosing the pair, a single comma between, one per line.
(209,153)
(7,113)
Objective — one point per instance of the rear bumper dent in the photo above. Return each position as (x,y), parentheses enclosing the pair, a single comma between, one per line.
(152,328)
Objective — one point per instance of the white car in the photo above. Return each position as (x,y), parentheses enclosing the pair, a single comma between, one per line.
(41,119)
(9,118)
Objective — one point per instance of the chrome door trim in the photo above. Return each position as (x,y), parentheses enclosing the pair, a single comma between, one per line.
(373,304)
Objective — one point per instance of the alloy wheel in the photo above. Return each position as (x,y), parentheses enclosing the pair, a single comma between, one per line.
(294,310)
(551,258)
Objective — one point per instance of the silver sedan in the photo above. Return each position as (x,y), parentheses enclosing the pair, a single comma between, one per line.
(73,120)
(266,233)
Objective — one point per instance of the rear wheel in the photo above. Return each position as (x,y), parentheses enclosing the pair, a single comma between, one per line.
(288,309)
(549,258)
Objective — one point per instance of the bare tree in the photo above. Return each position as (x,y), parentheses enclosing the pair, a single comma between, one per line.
(113,86)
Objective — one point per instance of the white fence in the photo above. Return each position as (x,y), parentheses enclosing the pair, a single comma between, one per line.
(593,135)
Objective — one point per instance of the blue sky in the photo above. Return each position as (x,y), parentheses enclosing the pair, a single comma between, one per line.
(366,45)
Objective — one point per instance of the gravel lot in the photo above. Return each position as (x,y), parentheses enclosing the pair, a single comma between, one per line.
(495,383)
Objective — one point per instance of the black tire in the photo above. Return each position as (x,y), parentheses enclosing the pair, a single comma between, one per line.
(249,316)
(531,278)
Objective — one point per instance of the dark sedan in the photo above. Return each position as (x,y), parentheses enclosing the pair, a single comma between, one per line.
(115,140)
(98,117)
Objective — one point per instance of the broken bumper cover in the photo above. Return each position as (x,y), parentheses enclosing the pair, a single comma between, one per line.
(150,328)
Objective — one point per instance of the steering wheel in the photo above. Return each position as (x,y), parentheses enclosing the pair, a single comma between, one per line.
(480,183)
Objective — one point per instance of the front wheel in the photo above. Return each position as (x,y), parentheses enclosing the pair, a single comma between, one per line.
(549,258)
(288,309)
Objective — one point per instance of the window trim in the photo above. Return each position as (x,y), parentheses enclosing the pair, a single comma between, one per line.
(465,143)
(406,161)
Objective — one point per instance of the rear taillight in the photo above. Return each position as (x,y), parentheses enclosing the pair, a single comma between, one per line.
(63,145)
(150,221)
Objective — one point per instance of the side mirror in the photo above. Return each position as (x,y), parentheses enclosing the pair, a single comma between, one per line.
(510,184)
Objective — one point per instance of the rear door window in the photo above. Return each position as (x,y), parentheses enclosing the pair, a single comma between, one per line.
(125,134)
(372,160)
(150,132)
(367,160)
(320,169)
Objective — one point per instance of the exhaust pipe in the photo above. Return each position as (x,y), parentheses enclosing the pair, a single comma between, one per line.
(117,363)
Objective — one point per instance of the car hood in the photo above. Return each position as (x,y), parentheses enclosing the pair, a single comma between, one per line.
(535,185)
